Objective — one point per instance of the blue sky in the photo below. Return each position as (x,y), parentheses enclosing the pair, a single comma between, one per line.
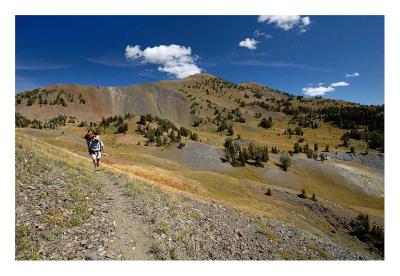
(303,55)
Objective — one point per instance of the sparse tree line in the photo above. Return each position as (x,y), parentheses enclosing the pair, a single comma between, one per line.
(216,84)
(371,117)
(306,121)
(312,153)
(162,131)
(118,123)
(304,195)
(296,131)
(41,97)
(239,155)
(53,123)
(375,139)
(226,122)
(258,91)
(368,232)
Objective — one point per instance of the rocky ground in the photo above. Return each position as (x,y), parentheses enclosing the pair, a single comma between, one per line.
(65,210)
(374,160)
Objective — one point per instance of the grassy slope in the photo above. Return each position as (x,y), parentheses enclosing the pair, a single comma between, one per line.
(204,185)
(126,155)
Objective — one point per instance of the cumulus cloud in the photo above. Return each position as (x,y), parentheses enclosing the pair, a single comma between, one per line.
(340,83)
(317,91)
(321,90)
(249,43)
(355,74)
(172,59)
(287,22)
(257,33)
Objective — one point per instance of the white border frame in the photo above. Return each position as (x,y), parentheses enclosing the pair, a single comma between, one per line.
(8,11)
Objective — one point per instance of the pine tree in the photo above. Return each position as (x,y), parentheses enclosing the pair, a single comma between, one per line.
(158,141)
(230,130)
(314,198)
(172,137)
(252,150)
(258,160)
(286,161)
(296,148)
(303,194)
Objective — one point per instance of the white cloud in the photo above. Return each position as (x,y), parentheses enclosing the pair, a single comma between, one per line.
(305,21)
(317,91)
(249,43)
(340,83)
(321,90)
(173,59)
(355,74)
(287,22)
(257,33)
(133,52)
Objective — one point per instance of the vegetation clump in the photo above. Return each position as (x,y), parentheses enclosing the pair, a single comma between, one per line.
(303,194)
(162,131)
(118,123)
(368,232)
(286,161)
(265,123)
(238,155)
(314,198)
(53,123)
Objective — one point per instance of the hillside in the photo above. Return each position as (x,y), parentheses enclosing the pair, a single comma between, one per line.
(207,168)
(64,212)
(92,103)
(214,105)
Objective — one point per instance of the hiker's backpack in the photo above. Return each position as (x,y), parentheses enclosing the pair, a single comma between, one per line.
(95,145)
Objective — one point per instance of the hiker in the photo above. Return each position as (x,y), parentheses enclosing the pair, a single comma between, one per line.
(96,148)
(88,137)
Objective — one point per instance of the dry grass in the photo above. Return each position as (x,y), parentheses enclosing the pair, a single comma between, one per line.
(228,188)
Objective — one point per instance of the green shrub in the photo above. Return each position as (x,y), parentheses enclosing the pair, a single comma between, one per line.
(376,140)
(314,198)
(194,136)
(184,131)
(298,131)
(303,194)
(266,123)
(286,161)
(181,145)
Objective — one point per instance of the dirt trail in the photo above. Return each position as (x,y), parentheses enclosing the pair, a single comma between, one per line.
(132,238)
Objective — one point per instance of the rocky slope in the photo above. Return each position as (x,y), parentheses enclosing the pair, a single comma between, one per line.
(67,211)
